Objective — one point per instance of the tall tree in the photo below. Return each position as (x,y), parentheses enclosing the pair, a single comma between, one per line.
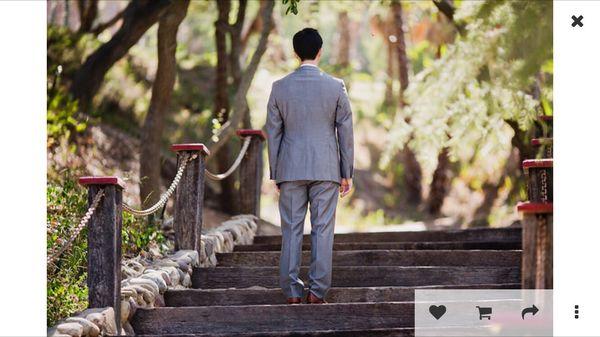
(385,28)
(237,50)
(412,169)
(138,17)
(466,99)
(88,10)
(240,104)
(440,183)
(162,90)
(221,109)
(343,55)
(442,176)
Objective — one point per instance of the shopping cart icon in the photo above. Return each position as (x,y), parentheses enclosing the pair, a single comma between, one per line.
(484,312)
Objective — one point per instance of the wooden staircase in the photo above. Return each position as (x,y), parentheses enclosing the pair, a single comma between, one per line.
(374,279)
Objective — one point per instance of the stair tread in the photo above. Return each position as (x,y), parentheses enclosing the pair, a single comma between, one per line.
(386,245)
(472,234)
(253,295)
(274,318)
(348,276)
(391,332)
(387,257)
(375,276)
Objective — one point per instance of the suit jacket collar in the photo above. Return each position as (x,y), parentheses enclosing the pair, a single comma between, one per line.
(308,69)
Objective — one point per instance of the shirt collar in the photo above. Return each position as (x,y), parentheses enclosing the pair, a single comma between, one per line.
(308,65)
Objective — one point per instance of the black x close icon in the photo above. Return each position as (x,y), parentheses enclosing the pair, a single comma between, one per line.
(577,21)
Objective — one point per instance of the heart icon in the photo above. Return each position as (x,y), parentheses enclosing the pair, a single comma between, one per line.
(437,311)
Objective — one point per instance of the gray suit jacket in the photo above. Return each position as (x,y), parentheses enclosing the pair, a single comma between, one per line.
(309,128)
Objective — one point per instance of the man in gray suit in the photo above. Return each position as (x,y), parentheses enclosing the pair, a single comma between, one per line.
(310,140)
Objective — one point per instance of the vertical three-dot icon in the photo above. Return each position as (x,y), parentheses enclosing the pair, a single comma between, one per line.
(576,311)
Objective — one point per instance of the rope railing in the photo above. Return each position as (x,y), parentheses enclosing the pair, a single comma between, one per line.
(235,164)
(186,158)
(82,223)
(105,222)
(165,196)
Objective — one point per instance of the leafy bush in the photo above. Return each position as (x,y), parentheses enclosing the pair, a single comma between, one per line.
(140,236)
(67,290)
(61,120)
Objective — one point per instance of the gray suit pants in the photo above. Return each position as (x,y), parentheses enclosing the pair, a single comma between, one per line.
(293,200)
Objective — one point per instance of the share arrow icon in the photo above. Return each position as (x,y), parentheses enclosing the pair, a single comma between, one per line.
(532,310)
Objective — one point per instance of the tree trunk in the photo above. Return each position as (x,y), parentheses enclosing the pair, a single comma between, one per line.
(236,44)
(138,17)
(385,28)
(389,82)
(103,26)
(343,56)
(162,90)
(221,96)
(88,10)
(255,26)
(401,49)
(522,142)
(442,176)
(491,190)
(412,169)
(222,102)
(237,48)
(440,184)
(240,105)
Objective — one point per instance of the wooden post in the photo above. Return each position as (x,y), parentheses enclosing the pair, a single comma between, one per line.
(539,180)
(536,266)
(104,244)
(189,198)
(251,172)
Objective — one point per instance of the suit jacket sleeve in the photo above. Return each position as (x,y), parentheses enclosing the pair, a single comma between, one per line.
(345,135)
(274,128)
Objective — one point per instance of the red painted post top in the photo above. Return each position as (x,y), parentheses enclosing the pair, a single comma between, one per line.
(537,163)
(546,118)
(251,132)
(102,180)
(191,147)
(541,141)
(535,207)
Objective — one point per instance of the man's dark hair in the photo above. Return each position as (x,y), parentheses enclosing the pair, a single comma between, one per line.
(307,43)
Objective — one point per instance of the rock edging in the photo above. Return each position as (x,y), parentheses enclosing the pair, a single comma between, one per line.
(144,282)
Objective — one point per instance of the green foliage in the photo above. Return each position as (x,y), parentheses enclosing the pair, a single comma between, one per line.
(292,6)
(486,77)
(67,49)
(66,279)
(64,57)
(140,236)
(61,119)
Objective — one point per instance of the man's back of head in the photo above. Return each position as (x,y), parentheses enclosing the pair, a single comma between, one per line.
(307,44)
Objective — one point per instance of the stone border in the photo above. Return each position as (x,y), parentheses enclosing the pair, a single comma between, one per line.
(144,282)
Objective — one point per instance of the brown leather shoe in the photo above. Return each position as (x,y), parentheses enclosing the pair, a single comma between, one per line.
(312,299)
(294,300)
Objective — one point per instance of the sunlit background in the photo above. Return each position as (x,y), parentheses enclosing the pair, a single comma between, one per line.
(444,95)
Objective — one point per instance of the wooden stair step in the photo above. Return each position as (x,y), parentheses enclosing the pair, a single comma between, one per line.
(253,296)
(507,258)
(357,276)
(475,234)
(393,332)
(440,245)
(273,318)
